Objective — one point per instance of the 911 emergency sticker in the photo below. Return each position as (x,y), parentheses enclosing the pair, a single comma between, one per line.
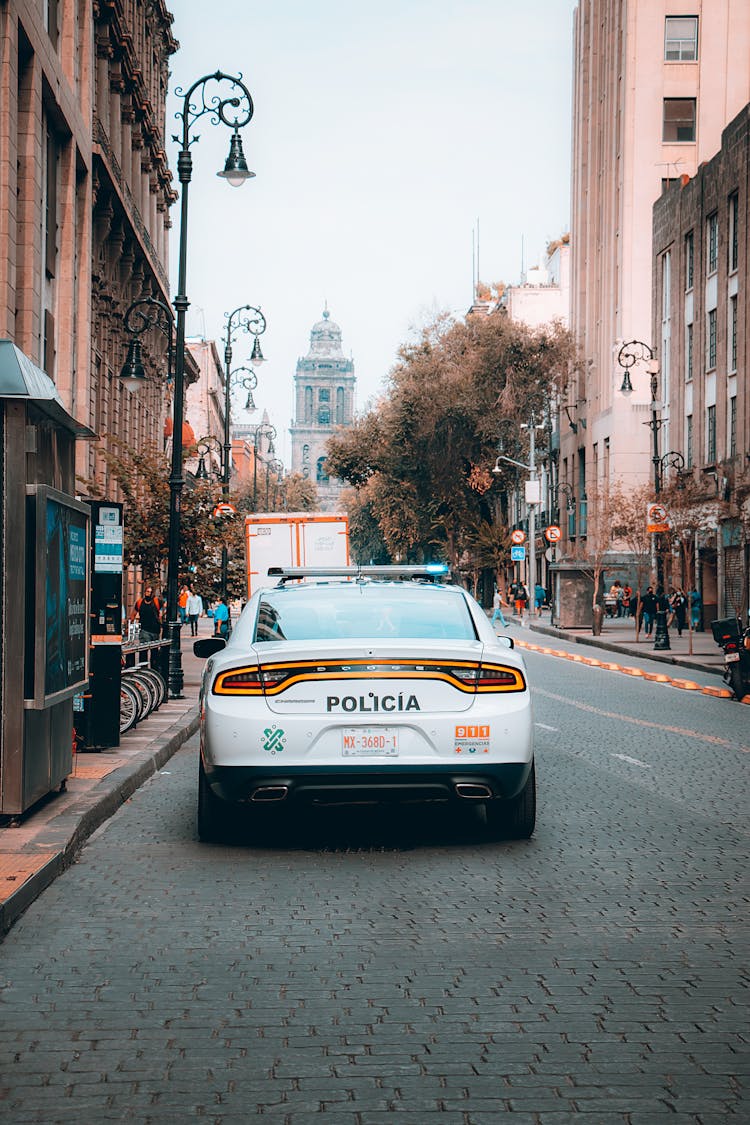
(472,739)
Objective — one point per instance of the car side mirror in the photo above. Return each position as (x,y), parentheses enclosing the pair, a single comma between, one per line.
(508,641)
(208,646)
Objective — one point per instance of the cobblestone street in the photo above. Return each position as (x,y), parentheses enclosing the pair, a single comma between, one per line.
(349,967)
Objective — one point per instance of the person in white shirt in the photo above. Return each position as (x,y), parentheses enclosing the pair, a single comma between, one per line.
(194,607)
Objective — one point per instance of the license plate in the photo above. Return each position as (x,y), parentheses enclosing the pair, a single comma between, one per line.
(364,741)
(730,657)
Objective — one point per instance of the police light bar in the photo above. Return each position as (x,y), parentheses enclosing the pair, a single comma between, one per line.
(432,571)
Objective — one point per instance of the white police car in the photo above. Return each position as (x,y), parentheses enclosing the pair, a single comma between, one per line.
(365,684)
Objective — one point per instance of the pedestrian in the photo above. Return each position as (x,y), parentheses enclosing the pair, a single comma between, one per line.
(679,606)
(627,598)
(497,609)
(540,596)
(148,612)
(696,609)
(194,607)
(221,618)
(521,597)
(182,603)
(648,610)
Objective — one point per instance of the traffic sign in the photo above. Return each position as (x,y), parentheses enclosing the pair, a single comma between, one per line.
(553,534)
(518,554)
(518,536)
(657,518)
(224,509)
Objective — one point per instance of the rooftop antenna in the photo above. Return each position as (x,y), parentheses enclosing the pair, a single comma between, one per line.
(473,266)
(523,268)
(477,252)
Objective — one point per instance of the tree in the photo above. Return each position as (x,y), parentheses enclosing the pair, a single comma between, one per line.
(629,527)
(689,513)
(417,451)
(597,535)
(142,479)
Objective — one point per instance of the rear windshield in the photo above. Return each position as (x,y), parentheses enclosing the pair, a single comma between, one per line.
(376,612)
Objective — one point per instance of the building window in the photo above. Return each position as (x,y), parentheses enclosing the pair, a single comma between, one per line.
(733,426)
(689,260)
(681,38)
(712,242)
(322,475)
(711,435)
(733,333)
(734,242)
(324,395)
(308,404)
(689,441)
(679,120)
(688,352)
(340,406)
(711,340)
(324,416)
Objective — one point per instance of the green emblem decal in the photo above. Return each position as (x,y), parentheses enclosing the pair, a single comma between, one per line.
(274,740)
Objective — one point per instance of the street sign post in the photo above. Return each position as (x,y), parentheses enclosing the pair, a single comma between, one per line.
(518,554)
(518,536)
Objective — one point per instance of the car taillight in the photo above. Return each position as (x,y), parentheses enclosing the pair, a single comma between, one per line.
(239,681)
(497,677)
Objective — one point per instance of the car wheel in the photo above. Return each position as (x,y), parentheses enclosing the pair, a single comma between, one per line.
(212,812)
(514,819)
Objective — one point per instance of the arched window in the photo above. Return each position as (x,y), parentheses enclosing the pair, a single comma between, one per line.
(322,475)
(339,406)
(308,404)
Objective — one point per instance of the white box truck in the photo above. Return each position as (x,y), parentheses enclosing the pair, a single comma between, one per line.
(293,539)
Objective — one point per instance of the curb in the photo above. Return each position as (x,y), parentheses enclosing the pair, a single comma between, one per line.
(78,823)
(595,642)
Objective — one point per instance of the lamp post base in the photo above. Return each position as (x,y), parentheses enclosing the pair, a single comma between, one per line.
(176,674)
(661,640)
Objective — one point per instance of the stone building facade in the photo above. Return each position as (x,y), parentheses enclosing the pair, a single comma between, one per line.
(655,83)
(324,394)
(700,311)
(85,190)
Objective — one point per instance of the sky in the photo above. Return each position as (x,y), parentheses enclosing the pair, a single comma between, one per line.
(400,148)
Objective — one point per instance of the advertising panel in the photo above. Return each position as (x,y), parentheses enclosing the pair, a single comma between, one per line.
(60,614)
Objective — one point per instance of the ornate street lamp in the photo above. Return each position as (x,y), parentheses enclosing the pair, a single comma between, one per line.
(250,319)
(140,317)
(235,111)
(205,447)
(263,429)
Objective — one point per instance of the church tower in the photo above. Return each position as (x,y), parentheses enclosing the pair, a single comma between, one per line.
(324,401)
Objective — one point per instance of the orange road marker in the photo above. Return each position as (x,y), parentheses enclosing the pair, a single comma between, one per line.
(686,685)
(719,692)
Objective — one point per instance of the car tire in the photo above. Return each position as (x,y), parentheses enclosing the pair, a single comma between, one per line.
(514,819)
(212,812)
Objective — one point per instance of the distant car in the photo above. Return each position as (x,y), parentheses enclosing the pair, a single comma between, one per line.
(365,685)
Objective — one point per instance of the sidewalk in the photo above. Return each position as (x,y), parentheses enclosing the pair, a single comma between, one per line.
(49,837)
(618,635)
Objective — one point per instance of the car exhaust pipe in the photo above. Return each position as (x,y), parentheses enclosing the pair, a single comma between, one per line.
(473,792)
(271,793)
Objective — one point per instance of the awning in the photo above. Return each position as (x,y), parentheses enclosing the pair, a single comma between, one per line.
(22,379)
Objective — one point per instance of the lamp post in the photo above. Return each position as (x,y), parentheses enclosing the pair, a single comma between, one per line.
(277,468)
(532,496)
(263,429)
(234,111)
(635,351)
(250,319)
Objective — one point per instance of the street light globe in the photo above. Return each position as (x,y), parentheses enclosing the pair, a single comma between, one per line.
(236,170)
